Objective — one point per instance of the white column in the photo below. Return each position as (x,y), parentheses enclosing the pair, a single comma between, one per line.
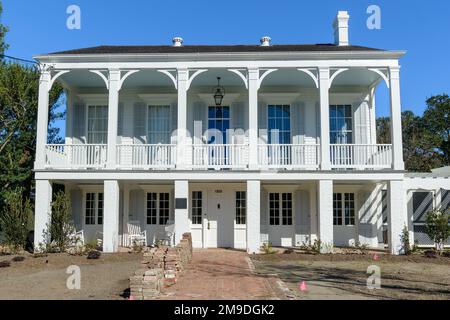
(111,216)
(325,206)
(253,83)
(396,119)
(183,159)
(113,116)
(324,86)
(182,213)
(313,214)
(42,119)
(126,215)
(43,212)
(69,117)
(253,216)
(397,215)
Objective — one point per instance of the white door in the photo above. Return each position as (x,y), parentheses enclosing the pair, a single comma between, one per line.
(281,219)
(220,221)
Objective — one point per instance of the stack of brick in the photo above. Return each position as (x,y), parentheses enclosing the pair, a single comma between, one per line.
(160,266)
(146,284)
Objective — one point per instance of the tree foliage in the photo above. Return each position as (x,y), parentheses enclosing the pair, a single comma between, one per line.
(61,228)
(425,139)
(3,31)
(438,227)
(14,219)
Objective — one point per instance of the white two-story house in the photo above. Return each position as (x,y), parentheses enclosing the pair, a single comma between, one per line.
(236,144)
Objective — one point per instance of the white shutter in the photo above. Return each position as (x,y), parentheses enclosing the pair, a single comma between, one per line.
(79,123)
(174,122)
(139,123)
(200,116)
(262,120)
(360,120)
(120,123)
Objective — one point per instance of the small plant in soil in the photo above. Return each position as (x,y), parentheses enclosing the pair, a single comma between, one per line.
(267,248)
(438,228)
(5,264)
(18,259)
(94,255)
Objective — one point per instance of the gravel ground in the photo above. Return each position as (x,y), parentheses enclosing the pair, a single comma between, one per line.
(344,277)
(45,278)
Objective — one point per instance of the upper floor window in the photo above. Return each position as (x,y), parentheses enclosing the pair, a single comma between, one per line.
(97,125)
(279,117)
(218,119)
(158,125)
(341,124)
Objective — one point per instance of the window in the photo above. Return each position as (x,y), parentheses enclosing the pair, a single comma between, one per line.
(94,208)
(344,209)
(197,205)
(97,125)
(279,117)
(164,208)
(341,124)
(280,213)
(241,207)
(219,119)
(158,208)
(158,125)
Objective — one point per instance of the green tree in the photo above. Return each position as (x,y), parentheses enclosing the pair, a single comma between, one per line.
(438,227)
(14,219)
(437,119)
(3,31)
(61,229)
(419,147)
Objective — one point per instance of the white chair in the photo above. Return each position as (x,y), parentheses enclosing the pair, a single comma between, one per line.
(77,238)
(168,237)
(135,234)
(99,237)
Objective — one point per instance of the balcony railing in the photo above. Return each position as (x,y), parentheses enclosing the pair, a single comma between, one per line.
(220,156)
(147,156)
(76,156)
(289,156)
(361,156)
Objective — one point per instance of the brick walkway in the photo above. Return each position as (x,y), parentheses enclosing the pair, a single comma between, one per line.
(218,274)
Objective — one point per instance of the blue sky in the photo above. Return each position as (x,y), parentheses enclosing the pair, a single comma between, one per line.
(422,28)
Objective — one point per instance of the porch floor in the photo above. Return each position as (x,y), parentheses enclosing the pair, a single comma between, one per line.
(220,274)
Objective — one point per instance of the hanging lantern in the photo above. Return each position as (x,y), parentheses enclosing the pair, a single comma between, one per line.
(219,93)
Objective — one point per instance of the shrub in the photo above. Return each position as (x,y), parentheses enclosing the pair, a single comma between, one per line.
(404,238)
(94,255)
(438,228)
(14,219)
(267,248)
(61,229)
(446,254)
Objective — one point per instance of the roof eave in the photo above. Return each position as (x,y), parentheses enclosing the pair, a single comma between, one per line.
(291,55)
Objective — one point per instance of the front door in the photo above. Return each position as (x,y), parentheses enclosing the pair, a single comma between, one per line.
(220,222)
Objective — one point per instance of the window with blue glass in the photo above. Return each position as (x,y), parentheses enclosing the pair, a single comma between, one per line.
(341,124)
(279,124)
(219,119)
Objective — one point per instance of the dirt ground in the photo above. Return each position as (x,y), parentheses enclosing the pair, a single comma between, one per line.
(45,278)
(344,277)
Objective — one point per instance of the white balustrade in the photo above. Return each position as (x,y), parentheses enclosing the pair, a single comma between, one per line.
(289,156)
(147,156)
(75,156)
(361,156)
(220,156)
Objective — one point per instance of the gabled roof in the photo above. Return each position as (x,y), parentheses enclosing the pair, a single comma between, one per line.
(215,49)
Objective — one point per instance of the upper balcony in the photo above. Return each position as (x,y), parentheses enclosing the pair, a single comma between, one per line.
(219,157)
(268,119)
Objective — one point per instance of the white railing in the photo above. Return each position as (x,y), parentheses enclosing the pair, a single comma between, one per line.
(289,156)
(361,156)
(220,156)
(76,156)
(146,156)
